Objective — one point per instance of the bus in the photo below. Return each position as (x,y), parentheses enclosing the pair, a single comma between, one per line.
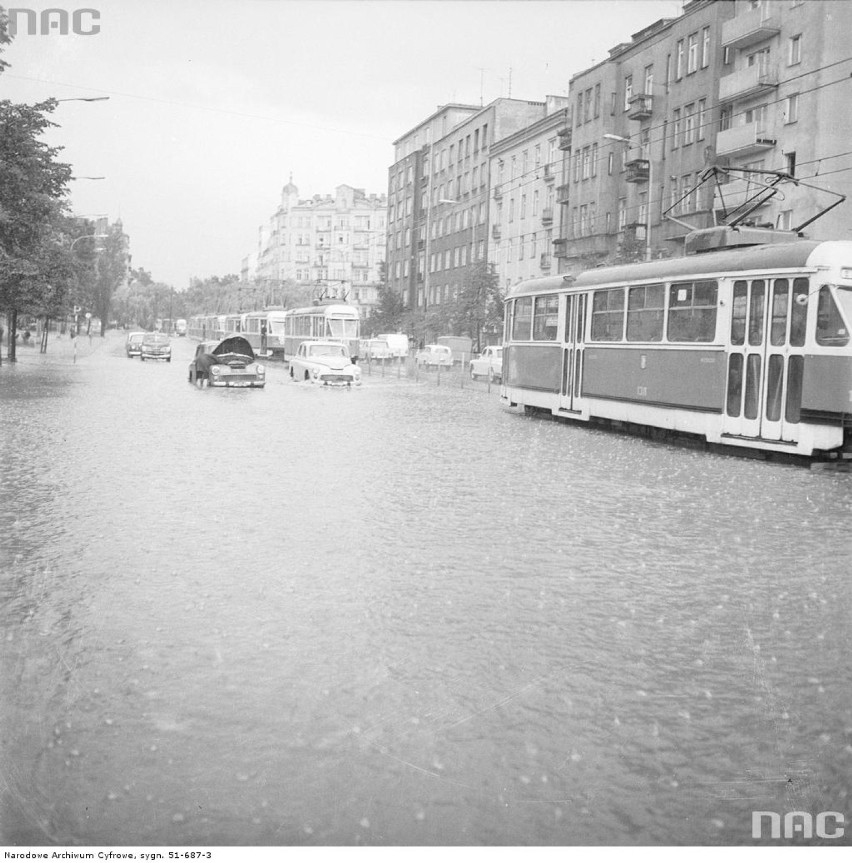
(333,321)
(745,346)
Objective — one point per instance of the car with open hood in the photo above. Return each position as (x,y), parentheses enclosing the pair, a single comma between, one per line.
(228,362)
(324,362)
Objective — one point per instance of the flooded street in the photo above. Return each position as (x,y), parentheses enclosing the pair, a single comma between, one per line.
(401,615)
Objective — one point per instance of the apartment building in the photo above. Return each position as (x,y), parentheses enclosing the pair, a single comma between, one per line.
(524,169)
(643,132)
(784,95)
(335,242)
(438,190)
(752,84)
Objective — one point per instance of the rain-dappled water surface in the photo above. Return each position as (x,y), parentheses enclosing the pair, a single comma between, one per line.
(401,614)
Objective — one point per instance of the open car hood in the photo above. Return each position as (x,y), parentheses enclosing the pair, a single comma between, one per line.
(234,345)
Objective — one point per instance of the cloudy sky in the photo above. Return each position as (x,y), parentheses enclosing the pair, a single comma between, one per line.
(213,103)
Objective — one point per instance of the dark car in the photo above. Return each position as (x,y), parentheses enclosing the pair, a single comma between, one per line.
(227,363)
(156,346)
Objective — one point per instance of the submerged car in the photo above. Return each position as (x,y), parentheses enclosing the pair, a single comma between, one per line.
(228,362)
(434,356)
(133,344)
(324,362)
(156,346)
(489,364)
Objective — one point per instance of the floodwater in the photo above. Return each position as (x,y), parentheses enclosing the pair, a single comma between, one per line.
(401,614)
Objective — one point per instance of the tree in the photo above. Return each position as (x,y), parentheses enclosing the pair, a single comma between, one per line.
(110,271)
(388,316)
(479,305)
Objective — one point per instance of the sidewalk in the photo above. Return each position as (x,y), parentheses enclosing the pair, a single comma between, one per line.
(60,348)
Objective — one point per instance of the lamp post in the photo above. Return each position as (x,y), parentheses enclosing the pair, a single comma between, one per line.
(627,141)
(85,99)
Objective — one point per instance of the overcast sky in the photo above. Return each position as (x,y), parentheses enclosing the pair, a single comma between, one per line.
(213,103)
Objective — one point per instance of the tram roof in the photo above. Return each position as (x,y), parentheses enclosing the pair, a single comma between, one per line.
(772,256)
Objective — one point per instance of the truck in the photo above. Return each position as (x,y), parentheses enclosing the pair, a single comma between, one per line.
(461,347)
(397,342)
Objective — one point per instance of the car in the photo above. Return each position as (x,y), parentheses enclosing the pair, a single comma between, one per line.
(434,356)
(133,344)
(489,364)
(324,362)
(156,346)
(228,362)
(376,349)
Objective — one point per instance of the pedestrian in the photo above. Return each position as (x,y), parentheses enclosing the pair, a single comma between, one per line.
(263,332)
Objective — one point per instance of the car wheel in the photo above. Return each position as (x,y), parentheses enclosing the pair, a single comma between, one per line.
(292,376)
(307,376)
(168,359)
(141,358)
(472,374)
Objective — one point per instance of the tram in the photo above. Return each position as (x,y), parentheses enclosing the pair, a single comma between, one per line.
(744,342)
(324,321)
(273,320)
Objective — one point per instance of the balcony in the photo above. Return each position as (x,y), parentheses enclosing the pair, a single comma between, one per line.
(637,170)
(747,82)
(545,263)
(547,216)
(549,176)
(559,247)
(749,28)
(496,233)
(498,193)
(594,245)
(563,193)
(639,106)
(564,134)
(743,141)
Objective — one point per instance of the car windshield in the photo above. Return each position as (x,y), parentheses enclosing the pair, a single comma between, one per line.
(157,338)
(326,351)
(136,337)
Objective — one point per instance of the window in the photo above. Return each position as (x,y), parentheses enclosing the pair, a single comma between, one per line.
(577,166)
(545,320)
(584,220)
(628,91)
(522,318)
(645,313)
(756,115)
(795,50)
(648,88)
(705,47)
(688,124)
(511,209)
(597,102)
(676,129)
(586,167)
(594,165)
(622,213)
(692,54)
(610,161)
(831,330)
(587,109)
(579,111)
(608,315)
(784,222)
(679,60)
(791,108)
(790,159)
(726,116)
(799,312)
(535,203)
(778,311)
(702,119)
(692,311)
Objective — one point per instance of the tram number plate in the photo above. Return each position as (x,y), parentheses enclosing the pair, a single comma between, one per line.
(642,391)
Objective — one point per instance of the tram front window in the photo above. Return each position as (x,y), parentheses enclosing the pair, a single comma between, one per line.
(831,328)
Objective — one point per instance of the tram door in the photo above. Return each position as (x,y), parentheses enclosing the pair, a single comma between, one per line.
(766,358)
(572,352)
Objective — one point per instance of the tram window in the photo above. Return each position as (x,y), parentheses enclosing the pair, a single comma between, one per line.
(522,322)
(799,313)
(738,313)
(795,373)
(780,297)
(545,320)
(774,385)
(608,315)
(755,313)
(735,385)
(752,391)
(645,313)
(692,311)
(831,330)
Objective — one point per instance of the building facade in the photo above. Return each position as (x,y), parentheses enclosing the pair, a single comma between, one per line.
(335,243)
(525,169)
(752,84)
(439,193)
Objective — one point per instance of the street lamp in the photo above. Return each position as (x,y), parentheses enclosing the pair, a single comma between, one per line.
(624,140)
(85,99)
(88,237)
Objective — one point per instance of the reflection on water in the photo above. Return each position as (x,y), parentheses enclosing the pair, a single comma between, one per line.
(401,615)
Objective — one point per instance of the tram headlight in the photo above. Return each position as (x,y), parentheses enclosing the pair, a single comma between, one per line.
(846,272)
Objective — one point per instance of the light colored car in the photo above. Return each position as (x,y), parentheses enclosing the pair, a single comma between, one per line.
(434,356)
(326,363)
(133,344)
(156,346)
(397,342)
(376,349)
(227,363)
(489,364)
